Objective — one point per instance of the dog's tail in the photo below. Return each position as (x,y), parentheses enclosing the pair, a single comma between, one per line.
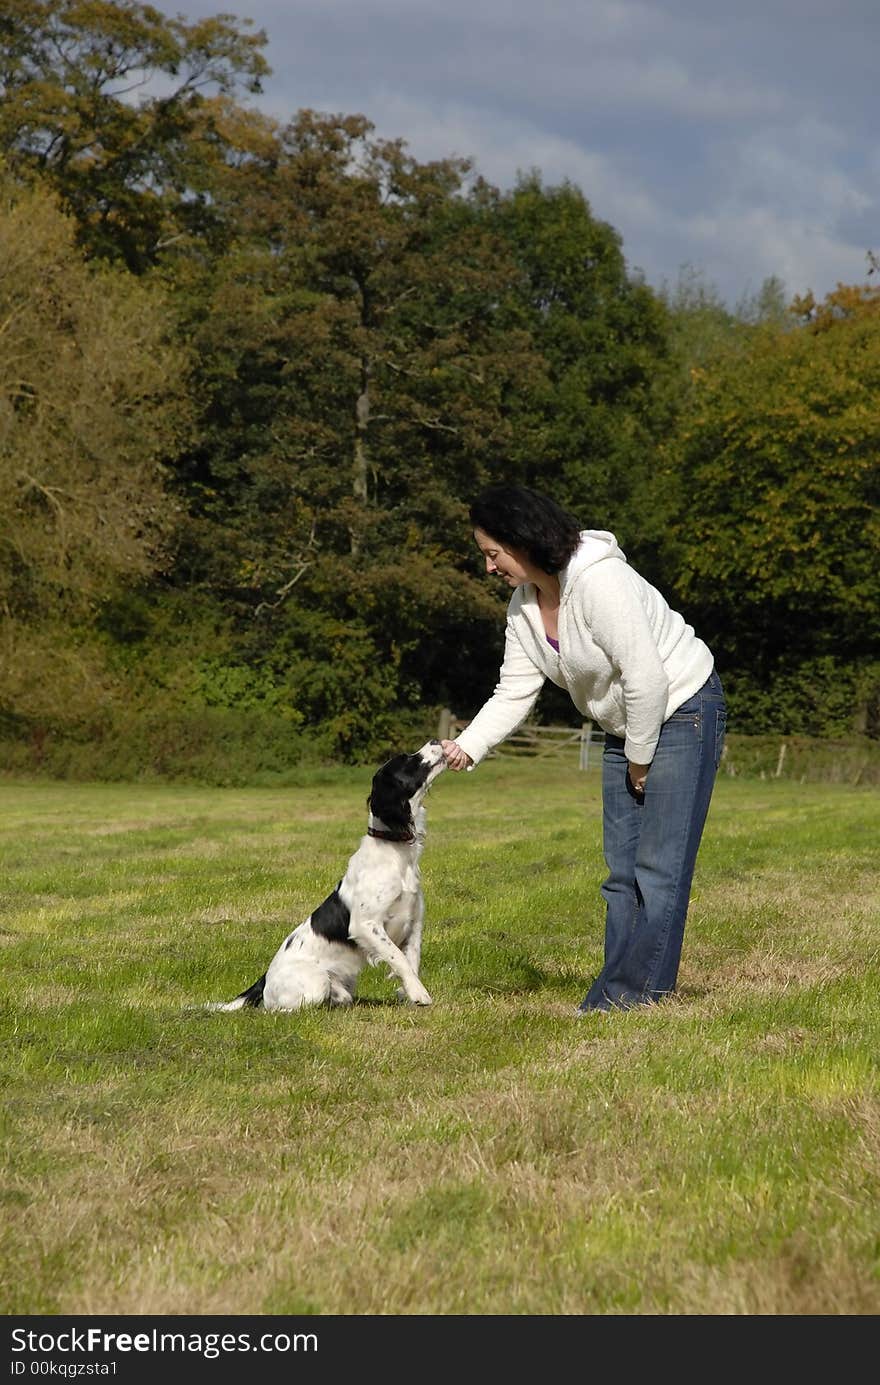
(253,996)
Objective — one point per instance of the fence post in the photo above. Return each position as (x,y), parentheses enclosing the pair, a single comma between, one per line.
(781,761)
(586,728)
(444,724)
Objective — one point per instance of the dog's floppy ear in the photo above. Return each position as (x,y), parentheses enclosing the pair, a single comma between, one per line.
(388,800)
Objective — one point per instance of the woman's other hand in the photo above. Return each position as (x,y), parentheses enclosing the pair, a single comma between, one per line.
(456,758)
(637,776)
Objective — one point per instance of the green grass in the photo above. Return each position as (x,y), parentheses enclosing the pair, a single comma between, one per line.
(717,1154)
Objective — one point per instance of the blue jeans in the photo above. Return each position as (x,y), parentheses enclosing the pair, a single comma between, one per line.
(651,843)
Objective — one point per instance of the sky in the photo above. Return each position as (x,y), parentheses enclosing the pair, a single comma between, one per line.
(737,139)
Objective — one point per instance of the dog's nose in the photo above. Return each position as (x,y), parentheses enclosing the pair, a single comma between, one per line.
(433,741)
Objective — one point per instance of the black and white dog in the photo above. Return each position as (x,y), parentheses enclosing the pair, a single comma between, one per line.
(376,912)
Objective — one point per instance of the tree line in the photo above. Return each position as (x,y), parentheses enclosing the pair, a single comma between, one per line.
(251,373)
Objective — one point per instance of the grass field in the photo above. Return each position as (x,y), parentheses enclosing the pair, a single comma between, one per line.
(717,1154)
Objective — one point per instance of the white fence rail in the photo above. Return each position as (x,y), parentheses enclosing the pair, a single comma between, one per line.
(540,742)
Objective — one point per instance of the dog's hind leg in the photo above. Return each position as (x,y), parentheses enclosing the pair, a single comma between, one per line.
(297,988)
(339,994)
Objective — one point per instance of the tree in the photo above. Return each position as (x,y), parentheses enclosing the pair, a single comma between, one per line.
(355,369)
(91,407)
(702,327)
(393,360)
(585,429)
(126,112)
(778,484)
(768,307)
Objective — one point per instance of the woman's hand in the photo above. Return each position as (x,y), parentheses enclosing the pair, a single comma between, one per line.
(637,776)
(456,758)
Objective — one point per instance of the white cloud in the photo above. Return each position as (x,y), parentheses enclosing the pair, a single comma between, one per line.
(799,167)
(759,241)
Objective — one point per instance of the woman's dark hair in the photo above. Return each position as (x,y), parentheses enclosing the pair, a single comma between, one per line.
(527,520)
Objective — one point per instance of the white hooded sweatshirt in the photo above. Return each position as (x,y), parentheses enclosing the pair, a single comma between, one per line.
(627,660)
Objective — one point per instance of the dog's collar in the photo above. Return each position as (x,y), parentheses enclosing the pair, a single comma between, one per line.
(391,836)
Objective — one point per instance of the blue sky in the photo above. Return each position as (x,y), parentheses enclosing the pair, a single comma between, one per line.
(737,137)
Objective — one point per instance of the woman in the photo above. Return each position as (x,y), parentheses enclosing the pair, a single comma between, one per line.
(582,617)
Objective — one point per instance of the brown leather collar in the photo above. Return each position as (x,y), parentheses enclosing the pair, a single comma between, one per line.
(391,836)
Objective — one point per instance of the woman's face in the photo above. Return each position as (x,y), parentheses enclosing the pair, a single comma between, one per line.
(506,562)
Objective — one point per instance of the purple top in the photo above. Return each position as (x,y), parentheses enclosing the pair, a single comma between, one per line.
(555,643)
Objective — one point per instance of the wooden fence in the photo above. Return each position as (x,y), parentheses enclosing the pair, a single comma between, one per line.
(584,741)
(805,759)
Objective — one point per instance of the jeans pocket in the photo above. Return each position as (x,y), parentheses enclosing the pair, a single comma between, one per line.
(689,711)
(720,729)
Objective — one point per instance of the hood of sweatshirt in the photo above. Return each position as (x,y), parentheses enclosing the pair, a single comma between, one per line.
(596,546)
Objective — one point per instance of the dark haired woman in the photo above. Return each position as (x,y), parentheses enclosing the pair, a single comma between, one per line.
(582,617)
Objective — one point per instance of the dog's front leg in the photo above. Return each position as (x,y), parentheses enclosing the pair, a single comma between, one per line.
(368,933)
(412,948)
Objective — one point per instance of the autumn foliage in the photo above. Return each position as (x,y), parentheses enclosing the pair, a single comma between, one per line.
(252,371)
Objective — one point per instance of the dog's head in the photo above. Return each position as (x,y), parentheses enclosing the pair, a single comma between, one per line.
(400,785)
